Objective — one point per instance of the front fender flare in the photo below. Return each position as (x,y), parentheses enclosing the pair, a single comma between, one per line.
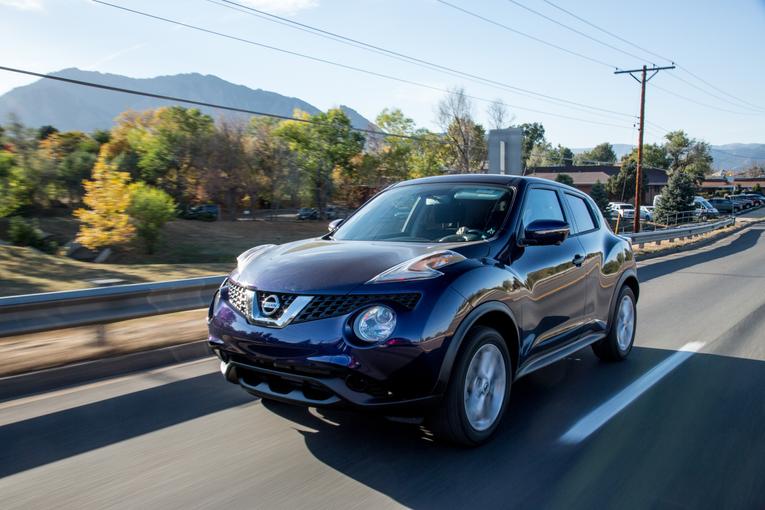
(455,343)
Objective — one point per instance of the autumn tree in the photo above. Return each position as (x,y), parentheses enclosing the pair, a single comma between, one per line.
(104,221)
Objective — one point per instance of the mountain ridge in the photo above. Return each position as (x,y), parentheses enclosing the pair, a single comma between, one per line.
(69,107)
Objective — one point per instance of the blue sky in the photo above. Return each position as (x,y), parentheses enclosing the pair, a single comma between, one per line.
(722,42)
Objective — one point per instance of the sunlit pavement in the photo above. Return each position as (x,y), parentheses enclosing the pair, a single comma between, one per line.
(681,424)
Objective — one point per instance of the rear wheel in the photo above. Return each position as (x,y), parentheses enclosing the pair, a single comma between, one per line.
(618,344)
(478,390)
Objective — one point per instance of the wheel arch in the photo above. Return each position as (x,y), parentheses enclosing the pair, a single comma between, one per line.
(494,314)
(628,278)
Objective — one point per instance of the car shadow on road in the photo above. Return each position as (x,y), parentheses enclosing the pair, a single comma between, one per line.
(37,441)
(693,440)
(743,242)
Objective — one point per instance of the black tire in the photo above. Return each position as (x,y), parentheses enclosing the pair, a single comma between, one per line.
(450,422)
(609,349)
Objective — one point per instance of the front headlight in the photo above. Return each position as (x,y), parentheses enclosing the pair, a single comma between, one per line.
(250,254)
(419,268)
(375,324)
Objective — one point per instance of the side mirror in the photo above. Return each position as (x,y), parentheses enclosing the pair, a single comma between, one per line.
(334,225)
(545,232)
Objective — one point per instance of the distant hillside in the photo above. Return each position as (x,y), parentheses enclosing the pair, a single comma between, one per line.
(71,107)
(732,156)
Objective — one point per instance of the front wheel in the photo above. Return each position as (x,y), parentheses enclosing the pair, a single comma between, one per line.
(478,390)
(618,344)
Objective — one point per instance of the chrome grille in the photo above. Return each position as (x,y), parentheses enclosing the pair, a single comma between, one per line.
(320,307)
(239,297)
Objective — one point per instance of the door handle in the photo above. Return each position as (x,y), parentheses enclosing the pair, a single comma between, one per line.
(578,260)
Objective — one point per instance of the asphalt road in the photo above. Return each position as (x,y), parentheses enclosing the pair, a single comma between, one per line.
(681,424)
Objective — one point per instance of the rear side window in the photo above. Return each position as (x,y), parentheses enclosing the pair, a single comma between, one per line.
(542,204)
(583,220)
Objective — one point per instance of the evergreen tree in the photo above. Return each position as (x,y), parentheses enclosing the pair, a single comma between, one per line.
(600,197)
(676,197)
(565,179)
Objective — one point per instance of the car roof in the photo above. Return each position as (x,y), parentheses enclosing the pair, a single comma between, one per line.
(504,180)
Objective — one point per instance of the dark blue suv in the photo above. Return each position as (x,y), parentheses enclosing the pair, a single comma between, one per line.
(429,300)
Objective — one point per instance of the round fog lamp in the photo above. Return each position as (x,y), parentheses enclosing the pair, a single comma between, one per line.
(375,324)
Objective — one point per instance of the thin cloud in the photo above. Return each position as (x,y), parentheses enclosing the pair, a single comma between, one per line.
(114,56)
(283,6)
(23,5)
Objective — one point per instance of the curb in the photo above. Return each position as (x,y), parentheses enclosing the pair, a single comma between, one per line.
(30,383)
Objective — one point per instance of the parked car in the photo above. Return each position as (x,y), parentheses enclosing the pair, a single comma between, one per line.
(703,209)
(725,205)
(646,212)
(308,213)
(204,212)
(758,200)
(486,279)
(745,203)
(626,211)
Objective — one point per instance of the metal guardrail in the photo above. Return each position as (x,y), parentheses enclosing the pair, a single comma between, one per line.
(48,311)
(678,232)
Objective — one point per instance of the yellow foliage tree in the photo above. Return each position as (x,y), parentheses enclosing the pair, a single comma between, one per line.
(105,222)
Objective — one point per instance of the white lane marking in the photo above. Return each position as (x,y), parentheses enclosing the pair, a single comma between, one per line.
(599,416)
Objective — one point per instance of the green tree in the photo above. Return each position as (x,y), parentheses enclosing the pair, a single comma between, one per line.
(105,221)
(15,188)
(622,184)
(167,147)
(150,208)
(676,197)
(325,146)
(565,179)
(599,195)
(654,156)
(688,155)
(533,135)
(601,153)
(757,188)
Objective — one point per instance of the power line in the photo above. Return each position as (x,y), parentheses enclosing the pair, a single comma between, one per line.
(682,68)
(737,105)
(702,80)
(572,29)
(199,103)
(606,31)
(700,103)
(529,36)
(345,66)
(404,57)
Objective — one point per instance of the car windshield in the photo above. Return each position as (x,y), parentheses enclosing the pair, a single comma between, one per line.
(428,213)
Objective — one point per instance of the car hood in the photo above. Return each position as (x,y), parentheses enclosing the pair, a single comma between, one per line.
(327,266)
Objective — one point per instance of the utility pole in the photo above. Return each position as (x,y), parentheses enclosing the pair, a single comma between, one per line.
(639,171)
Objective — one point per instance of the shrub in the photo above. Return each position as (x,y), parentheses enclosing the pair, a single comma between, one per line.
(150,208)
(27,233)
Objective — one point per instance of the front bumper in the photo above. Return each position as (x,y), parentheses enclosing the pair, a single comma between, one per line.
(304,390)
(315,364)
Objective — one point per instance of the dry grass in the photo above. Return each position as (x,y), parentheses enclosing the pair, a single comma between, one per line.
(189,248)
